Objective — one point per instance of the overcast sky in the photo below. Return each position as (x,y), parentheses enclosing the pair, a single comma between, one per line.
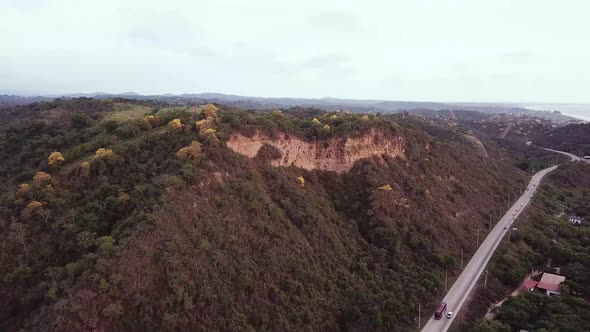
(462,50)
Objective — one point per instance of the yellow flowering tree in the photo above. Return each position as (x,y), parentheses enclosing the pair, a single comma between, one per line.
(210,111)
(85,169)
(152,120)
(55,159)
(210,136)
(23,189)
(103,153)
(175,125)
(41,178)
(36,208)
(200,123)
(192,151)
(385,187)
(301,181)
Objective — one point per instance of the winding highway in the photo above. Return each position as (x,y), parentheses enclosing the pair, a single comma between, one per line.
(456,296)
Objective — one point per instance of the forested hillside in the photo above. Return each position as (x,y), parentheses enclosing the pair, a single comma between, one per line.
(119,214)
(574,138)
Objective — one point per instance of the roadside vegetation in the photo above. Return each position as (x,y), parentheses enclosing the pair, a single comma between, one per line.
(545,240)
(527,158)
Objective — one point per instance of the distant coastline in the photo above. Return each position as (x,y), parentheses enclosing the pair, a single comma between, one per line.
(581,117)
(578,111)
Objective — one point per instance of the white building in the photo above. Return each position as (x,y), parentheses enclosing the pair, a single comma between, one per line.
(575,220)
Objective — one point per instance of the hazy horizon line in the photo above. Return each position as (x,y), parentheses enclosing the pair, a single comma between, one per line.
(130,92)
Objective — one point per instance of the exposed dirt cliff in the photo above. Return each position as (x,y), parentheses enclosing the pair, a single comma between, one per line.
(336,154)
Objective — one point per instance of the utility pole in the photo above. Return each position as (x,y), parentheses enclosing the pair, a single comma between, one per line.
(477,239)
(419,323)
(490,222)
(485,280)
(445,280)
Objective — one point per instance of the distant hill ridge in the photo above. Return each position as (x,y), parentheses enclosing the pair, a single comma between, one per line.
(326,103)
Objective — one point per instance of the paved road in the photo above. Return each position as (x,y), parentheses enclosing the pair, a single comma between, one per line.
(572,156)
(460,290)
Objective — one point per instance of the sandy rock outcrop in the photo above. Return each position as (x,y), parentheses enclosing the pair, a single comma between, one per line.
(336,154)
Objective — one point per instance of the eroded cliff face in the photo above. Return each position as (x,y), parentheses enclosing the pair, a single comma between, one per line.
(336,154)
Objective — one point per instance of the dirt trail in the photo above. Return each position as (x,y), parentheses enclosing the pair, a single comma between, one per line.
(453,116)
(507,130)
(475,141)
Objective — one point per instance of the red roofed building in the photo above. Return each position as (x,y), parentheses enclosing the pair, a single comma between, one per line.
(550,283)
(530,284)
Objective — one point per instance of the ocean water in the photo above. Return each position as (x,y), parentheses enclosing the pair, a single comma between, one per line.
(580,111)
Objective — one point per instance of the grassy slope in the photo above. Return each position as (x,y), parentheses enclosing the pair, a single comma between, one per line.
(126,112)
